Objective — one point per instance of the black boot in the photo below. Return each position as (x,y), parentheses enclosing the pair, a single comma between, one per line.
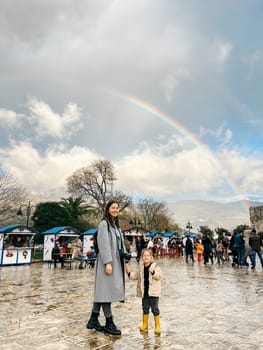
(110,327)
(93,323)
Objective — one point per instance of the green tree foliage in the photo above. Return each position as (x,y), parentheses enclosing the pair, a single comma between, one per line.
(222,232)
(77,212)
(206,230)
(48,215)
(241,228)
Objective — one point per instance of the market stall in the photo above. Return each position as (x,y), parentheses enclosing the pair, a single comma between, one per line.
(65,236)
(16,245)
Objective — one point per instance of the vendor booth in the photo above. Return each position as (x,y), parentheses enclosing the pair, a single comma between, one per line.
(64,236)
(16,245)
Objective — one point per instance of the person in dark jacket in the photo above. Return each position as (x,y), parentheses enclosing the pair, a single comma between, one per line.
(189,248)
(255,243)
(56,255)
(208,249)
(239,243)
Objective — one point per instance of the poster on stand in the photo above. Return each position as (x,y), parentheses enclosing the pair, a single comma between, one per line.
(24,256)
(9,257)
(49,243)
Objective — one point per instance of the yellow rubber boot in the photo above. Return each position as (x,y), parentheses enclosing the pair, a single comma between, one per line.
(157,325)
(144,326)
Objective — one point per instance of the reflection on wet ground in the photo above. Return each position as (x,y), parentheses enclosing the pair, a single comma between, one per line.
(202,307)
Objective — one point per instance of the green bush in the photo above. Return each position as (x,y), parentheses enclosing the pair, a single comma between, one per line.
(38,255)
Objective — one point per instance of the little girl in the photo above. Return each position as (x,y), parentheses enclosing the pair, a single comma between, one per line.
(148,276)
(199,250)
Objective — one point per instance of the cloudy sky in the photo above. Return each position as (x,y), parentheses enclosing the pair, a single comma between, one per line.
(169,91)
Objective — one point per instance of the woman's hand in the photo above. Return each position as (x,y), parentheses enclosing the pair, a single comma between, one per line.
(108,269)
(127,270)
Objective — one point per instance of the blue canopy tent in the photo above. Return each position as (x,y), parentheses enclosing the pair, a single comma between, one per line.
(151,234)
(90,231)
(192,235)
(167,234)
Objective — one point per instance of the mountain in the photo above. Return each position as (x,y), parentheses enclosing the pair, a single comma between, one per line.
(212,214)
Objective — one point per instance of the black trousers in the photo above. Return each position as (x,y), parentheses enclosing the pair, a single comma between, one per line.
(150,303)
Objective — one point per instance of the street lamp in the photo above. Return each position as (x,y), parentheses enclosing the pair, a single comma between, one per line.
(28,208)
(189,226)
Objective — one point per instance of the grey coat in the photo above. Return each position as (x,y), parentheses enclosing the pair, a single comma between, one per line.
(108,288)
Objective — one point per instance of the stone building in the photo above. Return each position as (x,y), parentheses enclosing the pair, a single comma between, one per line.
(256,217)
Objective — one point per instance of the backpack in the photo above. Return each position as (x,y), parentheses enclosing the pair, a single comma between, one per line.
(95,239)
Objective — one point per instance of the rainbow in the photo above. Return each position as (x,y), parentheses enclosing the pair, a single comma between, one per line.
(154,111)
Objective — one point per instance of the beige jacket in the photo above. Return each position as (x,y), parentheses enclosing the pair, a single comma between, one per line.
(154,280)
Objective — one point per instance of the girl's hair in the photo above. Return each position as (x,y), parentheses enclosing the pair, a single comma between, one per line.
(147,250)
(107,215)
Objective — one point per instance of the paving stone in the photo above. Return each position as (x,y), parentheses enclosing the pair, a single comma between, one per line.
(202,307)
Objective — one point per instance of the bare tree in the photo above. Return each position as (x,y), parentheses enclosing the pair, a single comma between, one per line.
(11,196)
(95,184)
(155,214)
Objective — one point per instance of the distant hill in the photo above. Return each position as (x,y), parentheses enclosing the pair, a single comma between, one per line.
(212,214)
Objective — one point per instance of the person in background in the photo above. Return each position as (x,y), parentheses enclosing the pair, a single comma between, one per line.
(77,248)
(248,252)
(56,256)
(208,249)
(127,244)
(150,244)
(199,250)
(19,242)
(255,243)
(239,243)
(225,243)
(219,251)
(189,249)
(140,245)
(110,270)
(148,276)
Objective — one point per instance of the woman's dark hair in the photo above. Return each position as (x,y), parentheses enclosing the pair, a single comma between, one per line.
(107,215)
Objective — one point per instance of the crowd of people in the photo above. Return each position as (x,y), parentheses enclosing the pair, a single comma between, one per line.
(241,250)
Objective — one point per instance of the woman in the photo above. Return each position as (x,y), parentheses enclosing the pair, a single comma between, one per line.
(109,275)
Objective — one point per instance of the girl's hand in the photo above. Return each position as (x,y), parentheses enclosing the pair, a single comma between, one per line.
(127,270)
(108,269)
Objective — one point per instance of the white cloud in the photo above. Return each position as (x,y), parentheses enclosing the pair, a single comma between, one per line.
(44,175)
(149,171)
(221,135)
(48,122)
(227,136)
(244,171)
(152,173)
(9,118)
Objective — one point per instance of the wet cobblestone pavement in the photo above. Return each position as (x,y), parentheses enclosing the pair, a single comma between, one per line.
(202,307)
